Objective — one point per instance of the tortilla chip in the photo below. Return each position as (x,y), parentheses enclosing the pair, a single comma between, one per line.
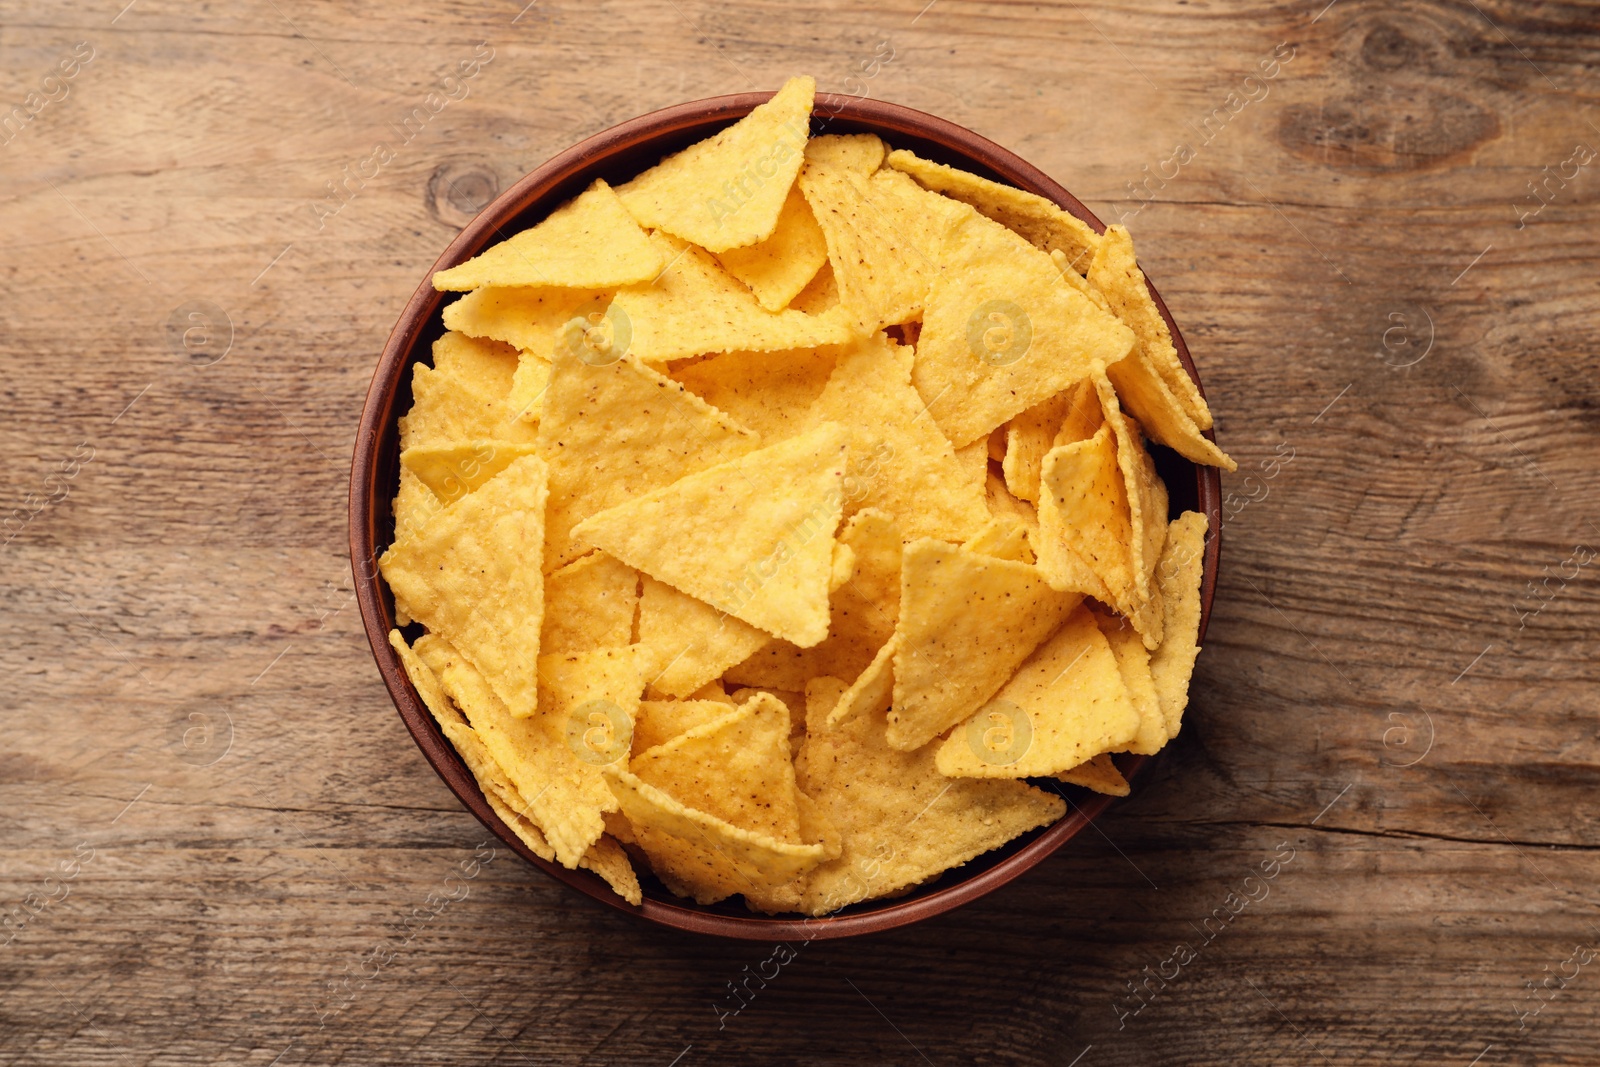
(821,294)
(1002,539)
(610,861)
(1099,774)
(966,622)
(1147,511)
(463,397)
(589,604)
(699,855)
(728,190)
(424,682)
(770,392)
(466,574)
(615,431)
(476,361)
(872,690)
(859,152)
(414,505)
(530,318)
(1034,432)
(1146,396)
(563,795)
(1178,578)
(900,462)
(1002,332)
(1035,218)
(661,720)
(735,767)
(590,242)
(503,798)
(1115,272)
(690,642)
(694,307)
(1065,705)
(778,268)
(454,470)
(752,536)
(1133,662)
(900,822)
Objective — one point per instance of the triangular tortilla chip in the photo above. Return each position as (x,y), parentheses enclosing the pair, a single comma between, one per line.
(820,296)
(462,399)
(662,720)
(1002,538)
(872,690)
(1146,396)
(1133,661)
(414,504)
(901,462)
(735,767)
(770,392)
(497,789)
(752,536)
(1147,512)
(1115,272)
(589,604)
(778,268)
(694,307)
(425,682)
(900,822)
(590,242)
(701,856)
(1178,577)
(454,470)
(526,401)
(528,318)
(470,574)
(608,859)
(690,642)
(1002,332)
(726,191)
(614,431)
(1070,415)
(1065,705)
(860,152)
(966,622)
(1039,220)
(562,793)
(1099,774)
(884,240)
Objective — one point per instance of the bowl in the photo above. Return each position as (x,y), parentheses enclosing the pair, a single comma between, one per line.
(616,155)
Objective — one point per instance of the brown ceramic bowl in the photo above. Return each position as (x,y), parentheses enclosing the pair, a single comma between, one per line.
(616,155)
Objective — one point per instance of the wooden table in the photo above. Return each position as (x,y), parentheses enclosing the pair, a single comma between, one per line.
(1377,223)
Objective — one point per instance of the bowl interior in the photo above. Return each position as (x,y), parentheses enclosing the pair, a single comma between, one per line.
(617,155)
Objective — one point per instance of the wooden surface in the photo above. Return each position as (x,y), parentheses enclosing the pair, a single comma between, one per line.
(220,847)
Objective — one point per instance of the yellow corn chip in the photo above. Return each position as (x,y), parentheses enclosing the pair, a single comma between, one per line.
(454,470)
(900,822)
(530,318)
(699,855)
(563,793)
(770,392)
(662,720)
(497,789)
(900,462)
(727,191)
(690,642)
(820,296)
(526,400)
(425,682)
(1002,539)
(1116,273)
(589,604)
(884,240)
(1065,705)
(752,536)
(778,268)
(1099,774)
(414,505)
(1003,505)
(1178,577)
(862,613)
(1133,662)
(590,242)
(1032,433)
(614,431)
(735,767)
(860,152)
(608,859)
(712,691)
(694,307)
(1035,218)
(1002,332)
(466,574)
(1147,509)
(463,397)
(872,690)
(966,622)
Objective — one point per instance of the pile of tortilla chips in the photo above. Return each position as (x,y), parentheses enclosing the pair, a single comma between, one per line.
(773,518)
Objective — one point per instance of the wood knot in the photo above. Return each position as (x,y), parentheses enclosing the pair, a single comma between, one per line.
(457,191)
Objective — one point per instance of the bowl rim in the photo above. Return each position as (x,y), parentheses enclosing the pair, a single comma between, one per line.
(378,416)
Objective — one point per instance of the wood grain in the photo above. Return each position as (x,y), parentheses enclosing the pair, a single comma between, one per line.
(196,732)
